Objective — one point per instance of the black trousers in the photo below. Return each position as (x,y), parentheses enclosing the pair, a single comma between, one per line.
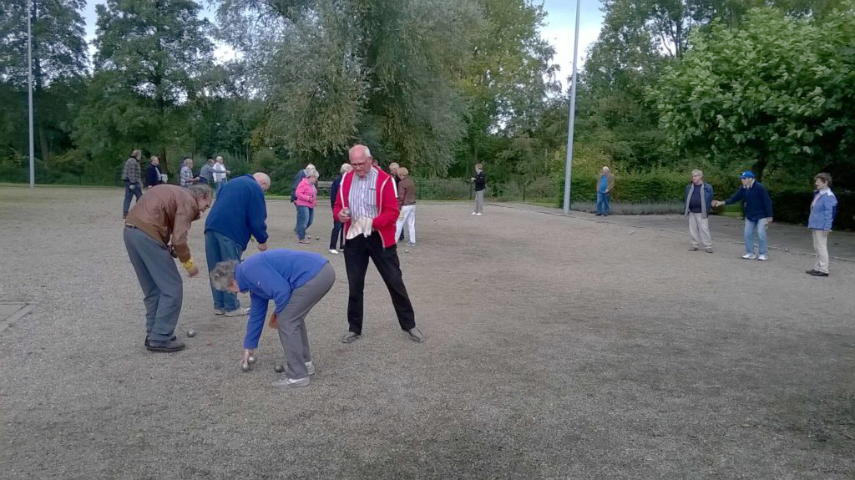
(356,254)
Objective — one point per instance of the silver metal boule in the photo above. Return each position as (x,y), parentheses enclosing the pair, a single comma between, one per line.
(191,333)
(252,359)
(279,368)
(244,366)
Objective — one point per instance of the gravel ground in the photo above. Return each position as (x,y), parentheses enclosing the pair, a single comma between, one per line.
(557,348)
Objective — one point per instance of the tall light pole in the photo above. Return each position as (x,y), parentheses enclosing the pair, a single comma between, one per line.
(569,168)
(30,88)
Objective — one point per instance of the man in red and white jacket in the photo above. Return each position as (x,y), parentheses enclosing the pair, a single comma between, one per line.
(366,193)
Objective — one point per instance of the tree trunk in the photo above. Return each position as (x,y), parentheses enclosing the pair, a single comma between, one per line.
(758,168)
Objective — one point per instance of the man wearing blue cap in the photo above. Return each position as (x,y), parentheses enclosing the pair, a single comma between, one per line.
(758,213)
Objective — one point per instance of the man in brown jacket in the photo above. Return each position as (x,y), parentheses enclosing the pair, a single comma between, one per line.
(163,214)
(407,202)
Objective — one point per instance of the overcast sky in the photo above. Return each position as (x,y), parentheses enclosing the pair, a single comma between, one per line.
(558,31)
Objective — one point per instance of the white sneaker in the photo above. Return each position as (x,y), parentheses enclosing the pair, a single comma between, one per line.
(239,312)
(479,214)
(290,383)
(219,311)
(762,258)
(749,256)
(310,367)
(473,213)
(334,251)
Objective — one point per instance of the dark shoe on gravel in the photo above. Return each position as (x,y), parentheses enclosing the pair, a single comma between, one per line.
(350,337)
(168,347)
(416,335)
(819,274)
(811,271)
(171,340)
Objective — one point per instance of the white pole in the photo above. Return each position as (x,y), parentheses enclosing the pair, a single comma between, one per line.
(568,169)
(30,89)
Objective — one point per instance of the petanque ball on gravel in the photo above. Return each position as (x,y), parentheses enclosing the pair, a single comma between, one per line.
(191,333)
(406,251)
(317,238)
(245,366)
(279,368)
(252,359)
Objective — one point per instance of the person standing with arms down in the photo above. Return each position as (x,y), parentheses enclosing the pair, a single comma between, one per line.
(131,178)
(153,177)
(239,213)
(337,235)
(605,185)
(823,209)
(367,207)
(307,199)
(220,174)
(164,214)
(699,197)
(480,181)
(407,201)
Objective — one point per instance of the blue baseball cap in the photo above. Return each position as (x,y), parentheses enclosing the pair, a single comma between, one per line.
(747,174)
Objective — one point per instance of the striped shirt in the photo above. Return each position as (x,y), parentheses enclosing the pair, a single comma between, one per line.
(363,196)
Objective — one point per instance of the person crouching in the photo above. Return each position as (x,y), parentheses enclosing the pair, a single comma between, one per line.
(295,281)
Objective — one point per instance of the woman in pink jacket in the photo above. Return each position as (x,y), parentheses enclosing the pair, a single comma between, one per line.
(307,198)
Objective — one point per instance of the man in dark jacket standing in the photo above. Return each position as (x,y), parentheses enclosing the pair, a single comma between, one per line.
(131,178)
(480,181)
(153,177)
(239,213)
(699,197)
(758,213)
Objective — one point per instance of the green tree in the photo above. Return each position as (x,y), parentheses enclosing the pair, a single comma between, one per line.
(59,60)
(150,56)
(776,92)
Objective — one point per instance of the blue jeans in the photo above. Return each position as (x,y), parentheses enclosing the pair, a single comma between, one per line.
(219,248)
(305,216)
(218,187)
(760,226)
(131,190)
(603,203)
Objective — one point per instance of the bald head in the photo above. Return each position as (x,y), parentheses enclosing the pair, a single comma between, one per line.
(360,159)
(263,180)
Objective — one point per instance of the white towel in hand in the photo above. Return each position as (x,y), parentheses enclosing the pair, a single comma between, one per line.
(360,226)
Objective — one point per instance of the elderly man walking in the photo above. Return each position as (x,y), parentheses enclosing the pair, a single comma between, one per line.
(699,197)
(367,206)
(605,184)
(131,178)
(239,213)
(162,216)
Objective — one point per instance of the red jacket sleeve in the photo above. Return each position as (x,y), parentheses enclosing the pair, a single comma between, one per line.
(390,209)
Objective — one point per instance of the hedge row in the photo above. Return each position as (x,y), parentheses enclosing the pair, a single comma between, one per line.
(793,206)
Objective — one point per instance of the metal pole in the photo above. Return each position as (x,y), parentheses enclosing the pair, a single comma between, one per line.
(30,89)
(569,167)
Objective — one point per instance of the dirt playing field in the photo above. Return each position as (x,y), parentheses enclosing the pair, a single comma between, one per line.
(557,348)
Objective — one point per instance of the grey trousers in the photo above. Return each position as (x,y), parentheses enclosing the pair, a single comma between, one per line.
(161,283)
(292,321)
(479,201)
(699,230)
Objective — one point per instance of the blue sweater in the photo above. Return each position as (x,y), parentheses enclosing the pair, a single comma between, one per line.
(239,212)
(273,275)
(823,211)
(757,203)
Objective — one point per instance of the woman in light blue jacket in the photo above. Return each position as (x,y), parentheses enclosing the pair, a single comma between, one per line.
(822,211)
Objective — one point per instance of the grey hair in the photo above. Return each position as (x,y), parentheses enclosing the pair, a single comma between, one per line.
(367,151)
(345,167)
(200,190)
(313,173)
(825,177)
(223,275)
(698,172)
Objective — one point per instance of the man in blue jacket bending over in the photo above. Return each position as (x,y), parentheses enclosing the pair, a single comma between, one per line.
(238,213)
(758,213)
(295,281)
